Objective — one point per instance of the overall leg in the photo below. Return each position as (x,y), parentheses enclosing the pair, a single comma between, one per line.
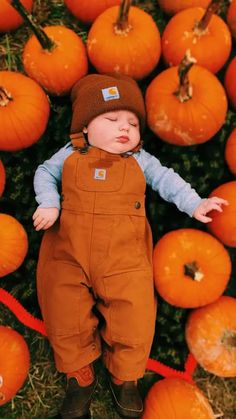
(129,309)
(66,306)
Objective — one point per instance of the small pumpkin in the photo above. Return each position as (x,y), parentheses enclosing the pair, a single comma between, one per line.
(2,178)
(174,6)
(175,398)
(14,363)
(49,58)
(231,17)
(230,82)
(58,69)
(223,224)
(10,19)
(86,11)
(230,151)
(14,244)
(124,40)
(211,336)
(185,105)
(191,268)
(200,31)
(24,111)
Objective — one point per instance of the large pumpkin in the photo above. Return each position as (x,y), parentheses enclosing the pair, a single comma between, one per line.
(2,178)
(223,224)
(59,68)
(88,11)
(230,82)
(9,17)
(175,6)
(14,244)
(211,336)
(185,110)
(24,111)
(231,17)
(175,398)
(230,151)
(124,40)
(191,268)
(14,363)
(203,33)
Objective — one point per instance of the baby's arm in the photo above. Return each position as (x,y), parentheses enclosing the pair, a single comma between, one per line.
(208,205)
(173,188)
(46,180)
(44,218)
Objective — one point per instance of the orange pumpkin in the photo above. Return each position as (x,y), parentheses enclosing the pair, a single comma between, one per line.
(231,17)
(223,224)
(56,70)
(2,178)
(211,336)
(230,152)
(14,244)
(175,6)
(14,363)
(230,82)
(185,108)
(24,111)
(54,56)
(175,398)
(88,11)
(124,40)
(191,268)
(9,17)
(203,33)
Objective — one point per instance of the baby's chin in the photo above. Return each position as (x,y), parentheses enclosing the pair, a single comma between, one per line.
(118,149)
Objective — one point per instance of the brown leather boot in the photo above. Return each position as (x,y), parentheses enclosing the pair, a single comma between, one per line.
(81,385)
(126,398)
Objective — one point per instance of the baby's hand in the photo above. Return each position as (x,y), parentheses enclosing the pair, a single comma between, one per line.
(208,205)
(45,217)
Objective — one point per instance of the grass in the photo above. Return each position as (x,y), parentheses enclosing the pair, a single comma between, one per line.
(42,393)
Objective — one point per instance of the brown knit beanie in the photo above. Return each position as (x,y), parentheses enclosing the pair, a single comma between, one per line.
(95,94)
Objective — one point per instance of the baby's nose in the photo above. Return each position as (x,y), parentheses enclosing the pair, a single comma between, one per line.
(124,126)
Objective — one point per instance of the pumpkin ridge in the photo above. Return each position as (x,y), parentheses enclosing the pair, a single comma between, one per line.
(16,121)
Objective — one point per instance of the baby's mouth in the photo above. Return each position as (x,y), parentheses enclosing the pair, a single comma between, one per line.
(123,139)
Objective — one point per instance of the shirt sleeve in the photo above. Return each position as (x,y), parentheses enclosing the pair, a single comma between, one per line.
(47,179)
(170,186)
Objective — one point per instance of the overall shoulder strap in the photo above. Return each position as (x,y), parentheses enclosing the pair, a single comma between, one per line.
(79,142)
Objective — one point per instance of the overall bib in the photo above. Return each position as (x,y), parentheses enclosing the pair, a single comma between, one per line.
(95,275)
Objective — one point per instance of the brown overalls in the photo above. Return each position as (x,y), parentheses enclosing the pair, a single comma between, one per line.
(99,253)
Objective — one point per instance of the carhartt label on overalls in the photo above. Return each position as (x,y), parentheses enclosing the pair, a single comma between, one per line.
(100,174)
(110,93)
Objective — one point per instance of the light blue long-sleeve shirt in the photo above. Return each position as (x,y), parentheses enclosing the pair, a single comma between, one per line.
(170,186)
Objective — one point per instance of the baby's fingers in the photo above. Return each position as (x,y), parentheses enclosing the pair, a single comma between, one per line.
(216,207)
(219,201)
(204,218)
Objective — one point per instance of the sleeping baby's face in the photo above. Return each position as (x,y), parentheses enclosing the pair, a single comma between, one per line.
(116,132)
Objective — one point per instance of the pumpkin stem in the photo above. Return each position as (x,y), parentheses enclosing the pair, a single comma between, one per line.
(43,39)
(122,26)
(5,96)
(229,339)
(191,269)
(184,91)
(214,7)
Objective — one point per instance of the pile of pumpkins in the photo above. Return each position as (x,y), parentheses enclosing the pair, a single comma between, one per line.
(186,105)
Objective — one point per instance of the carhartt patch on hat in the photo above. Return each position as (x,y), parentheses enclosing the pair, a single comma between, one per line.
(110,93)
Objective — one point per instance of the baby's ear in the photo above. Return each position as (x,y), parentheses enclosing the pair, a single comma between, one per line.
(85,130)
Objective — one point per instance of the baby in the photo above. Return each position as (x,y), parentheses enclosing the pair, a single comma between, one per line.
(96,253)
